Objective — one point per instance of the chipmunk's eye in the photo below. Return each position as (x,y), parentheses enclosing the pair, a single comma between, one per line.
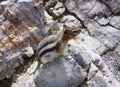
(74,31)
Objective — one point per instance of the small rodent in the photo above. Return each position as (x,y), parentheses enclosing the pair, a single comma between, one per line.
(54,45)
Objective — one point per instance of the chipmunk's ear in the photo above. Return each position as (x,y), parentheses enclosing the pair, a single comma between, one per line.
(64,26)
(65,29)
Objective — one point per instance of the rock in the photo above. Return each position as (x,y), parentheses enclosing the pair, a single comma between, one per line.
(115,22)
(54,8)
(3,4)
(25,1)
(97,82)
(114,6)
(50,3)
(98,9)
(70,20)
(2,0)
(95,77)
(92,43)
(24,80)
(64,72)
(73,7)
(102,21)
(93,70)
(112,39)
(117,49)
(84,9)
(108,35)
(96,68)
(97,65)
(113,61)
(48,18)
(58,10)
(7,67)
(78,55)
(92,26)
(28,51)
(33,11)
(21,26)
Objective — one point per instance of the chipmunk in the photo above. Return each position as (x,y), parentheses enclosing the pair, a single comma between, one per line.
(54,45)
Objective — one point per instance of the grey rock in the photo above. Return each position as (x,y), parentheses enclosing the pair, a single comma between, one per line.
(115,21)
(28,51)
(98,9)
(50,3)
(3,4)
(112,59)
(7,67)
(79,56)
(74,7)
(84,9)
(24,80)
(111,36)
(31,10)
(93,70)
(92,43)
(48,18)
(98,66)
(114,5)
(117,49)
(92,26)
(108,35)
(103,21)
(24,1)
(70,20)
(64,72)
(96,78)
(97,82)
(2,0)
(21,27)
(54,8)
(58,10)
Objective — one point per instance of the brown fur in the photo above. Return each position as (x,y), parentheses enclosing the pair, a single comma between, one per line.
(68,33)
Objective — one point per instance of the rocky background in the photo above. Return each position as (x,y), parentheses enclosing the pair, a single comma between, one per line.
(92,59)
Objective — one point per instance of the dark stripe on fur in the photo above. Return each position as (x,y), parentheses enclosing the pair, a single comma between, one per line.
(45,43)
(46,51)
(56,47)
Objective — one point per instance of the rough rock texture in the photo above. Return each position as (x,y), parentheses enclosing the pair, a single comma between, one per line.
(114,5)
(21,24)
(92,59)
(64,72)
(58,9)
